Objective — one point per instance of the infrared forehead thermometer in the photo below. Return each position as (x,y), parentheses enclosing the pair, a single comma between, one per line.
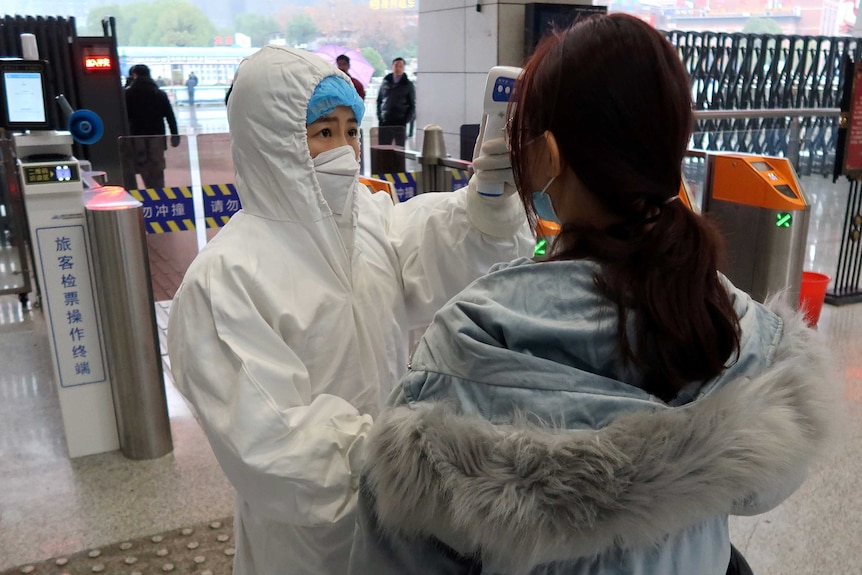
(498,90)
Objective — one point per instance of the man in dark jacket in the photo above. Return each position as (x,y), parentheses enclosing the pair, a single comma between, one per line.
(148,108)
(396,105)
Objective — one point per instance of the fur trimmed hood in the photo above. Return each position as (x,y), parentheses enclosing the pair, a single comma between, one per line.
(522,495)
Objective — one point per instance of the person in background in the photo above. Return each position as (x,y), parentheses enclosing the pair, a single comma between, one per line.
(148,108)
(343,64)
(396,105)
(191,84)
(292,325)
(604,411)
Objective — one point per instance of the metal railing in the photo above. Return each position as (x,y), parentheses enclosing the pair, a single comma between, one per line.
(810,149)
(741,72)
(433,159)
(736,70)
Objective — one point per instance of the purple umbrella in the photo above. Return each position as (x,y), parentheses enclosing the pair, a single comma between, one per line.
(359,66)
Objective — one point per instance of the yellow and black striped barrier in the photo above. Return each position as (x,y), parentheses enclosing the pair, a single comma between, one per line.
(167,209)
(220,203)
(460,178)
(405,183)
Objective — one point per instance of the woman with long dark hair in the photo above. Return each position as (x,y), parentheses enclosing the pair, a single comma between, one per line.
(605,410)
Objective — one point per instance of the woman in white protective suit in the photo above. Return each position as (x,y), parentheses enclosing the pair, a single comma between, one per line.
(292,324)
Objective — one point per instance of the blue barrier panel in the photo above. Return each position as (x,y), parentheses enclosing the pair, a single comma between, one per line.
(220,203)
(405,183)
(460,178)
(167,209)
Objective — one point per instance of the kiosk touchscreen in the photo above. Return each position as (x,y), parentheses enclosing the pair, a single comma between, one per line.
(23,94)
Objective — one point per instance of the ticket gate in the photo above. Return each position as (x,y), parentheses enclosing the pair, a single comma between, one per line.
(760,208)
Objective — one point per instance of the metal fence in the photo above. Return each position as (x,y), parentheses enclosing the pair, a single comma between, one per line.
(762,71)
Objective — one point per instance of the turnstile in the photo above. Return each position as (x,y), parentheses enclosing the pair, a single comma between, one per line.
(760,208)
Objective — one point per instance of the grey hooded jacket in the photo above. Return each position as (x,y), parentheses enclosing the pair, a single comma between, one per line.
(520,443)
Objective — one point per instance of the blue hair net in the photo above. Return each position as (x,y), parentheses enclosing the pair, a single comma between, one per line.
(334,91)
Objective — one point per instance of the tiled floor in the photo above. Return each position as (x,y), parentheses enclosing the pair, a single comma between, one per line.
(50,505)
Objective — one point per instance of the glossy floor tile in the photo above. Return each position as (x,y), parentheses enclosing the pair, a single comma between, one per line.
(51,505)
(817,531)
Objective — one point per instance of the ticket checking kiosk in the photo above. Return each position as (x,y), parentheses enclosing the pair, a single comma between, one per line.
(761,209)
(51,184)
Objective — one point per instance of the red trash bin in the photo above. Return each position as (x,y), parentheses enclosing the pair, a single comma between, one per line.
(812,294)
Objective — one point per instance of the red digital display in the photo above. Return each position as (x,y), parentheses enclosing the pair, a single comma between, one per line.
(93,63)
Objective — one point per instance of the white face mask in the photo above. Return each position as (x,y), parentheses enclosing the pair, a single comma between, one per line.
(336,171)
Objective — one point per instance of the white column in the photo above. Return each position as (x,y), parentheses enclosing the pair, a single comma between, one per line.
(459,41)
(457,47)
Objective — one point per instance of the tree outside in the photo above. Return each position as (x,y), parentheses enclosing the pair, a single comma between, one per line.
(259,28)
(375,59)
(93,26)
(182,24)
(301,29)
(161,23)
(391,33)
(381,34)
(761,26)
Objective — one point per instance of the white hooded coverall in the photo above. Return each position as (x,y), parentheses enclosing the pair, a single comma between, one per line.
(284,337)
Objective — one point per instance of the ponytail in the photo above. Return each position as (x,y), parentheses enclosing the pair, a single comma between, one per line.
(664,275)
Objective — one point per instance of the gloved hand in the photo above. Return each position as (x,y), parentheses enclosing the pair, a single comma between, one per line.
(175,141)
(493,165)
(496,210)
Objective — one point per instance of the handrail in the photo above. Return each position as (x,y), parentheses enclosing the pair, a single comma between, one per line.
(764,113)
(455,163)
(794,134)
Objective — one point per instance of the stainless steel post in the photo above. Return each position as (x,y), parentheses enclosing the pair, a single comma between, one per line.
(794,142)
(122,271)
(433,150)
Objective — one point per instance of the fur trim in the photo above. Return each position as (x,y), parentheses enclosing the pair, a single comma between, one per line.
(523,495)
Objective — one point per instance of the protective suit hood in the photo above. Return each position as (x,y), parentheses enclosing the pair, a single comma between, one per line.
(266,112)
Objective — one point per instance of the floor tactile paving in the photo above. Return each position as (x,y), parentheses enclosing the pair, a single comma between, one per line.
(202,549)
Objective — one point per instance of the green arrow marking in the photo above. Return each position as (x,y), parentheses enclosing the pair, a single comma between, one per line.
(541,248)
(783,220)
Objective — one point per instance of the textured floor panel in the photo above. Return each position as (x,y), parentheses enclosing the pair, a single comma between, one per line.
(204,549)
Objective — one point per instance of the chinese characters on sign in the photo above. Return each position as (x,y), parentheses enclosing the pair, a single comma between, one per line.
(220,203)
(98,63)
(172,209)
(41,174)
(220,207)
(167,209)
(404,182)
(71,305)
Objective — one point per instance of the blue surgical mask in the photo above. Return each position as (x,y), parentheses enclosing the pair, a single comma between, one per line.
(543,205)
